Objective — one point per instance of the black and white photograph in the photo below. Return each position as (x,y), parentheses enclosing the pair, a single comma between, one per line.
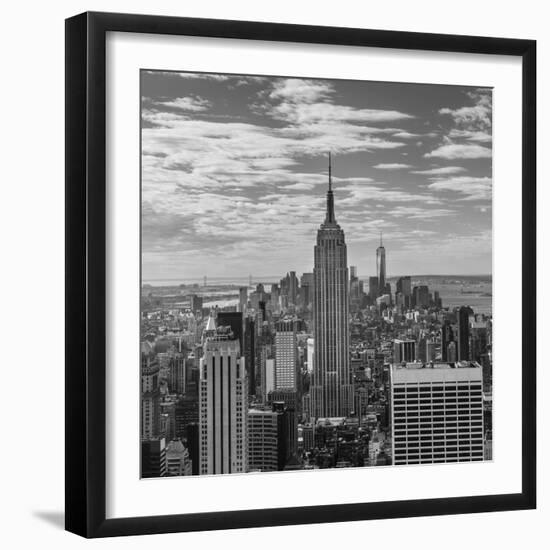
(316,274)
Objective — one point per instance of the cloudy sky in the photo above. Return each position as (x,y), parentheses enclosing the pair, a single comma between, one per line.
(234,174)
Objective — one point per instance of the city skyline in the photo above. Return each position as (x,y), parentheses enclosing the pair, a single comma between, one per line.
(224,177)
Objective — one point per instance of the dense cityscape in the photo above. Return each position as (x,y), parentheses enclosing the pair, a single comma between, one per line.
(319,370)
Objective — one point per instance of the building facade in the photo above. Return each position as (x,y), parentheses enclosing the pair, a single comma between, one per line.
(286,355)
(262,441)
(223,404)
(436,413)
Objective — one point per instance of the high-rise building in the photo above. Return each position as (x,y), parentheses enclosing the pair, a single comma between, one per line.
(373,289)
(150,396)
(404,287)
(331,391)
(274,299)
(243,298)
(286,355)
(178,462)
(292,287)
(195,303)
(421,296)
(447,336)
(250,353)
(233,319)
(263,441)
(268,380)
(153,457)
(464,333)
(177,379)
(452,353)
(310,353)
(404,351)
(306,289)
(287,424)
(436,413)
(381,266)
(223,404)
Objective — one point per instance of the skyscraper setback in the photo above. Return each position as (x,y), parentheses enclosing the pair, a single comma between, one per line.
(331,390)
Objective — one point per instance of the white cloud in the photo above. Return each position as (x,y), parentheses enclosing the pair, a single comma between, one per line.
(297,90)
(419,213)
(472,187)
(474,117)
(392,166)
(480,136)
(460,151)
(443,170)
(190,103)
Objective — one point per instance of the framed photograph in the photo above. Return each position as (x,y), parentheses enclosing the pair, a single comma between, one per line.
(300,274)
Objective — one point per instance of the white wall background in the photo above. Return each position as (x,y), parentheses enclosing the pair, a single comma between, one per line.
(32,270)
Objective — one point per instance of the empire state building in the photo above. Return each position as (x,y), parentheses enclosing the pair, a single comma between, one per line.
(331,391)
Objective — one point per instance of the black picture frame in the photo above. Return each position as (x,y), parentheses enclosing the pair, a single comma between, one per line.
(86,271)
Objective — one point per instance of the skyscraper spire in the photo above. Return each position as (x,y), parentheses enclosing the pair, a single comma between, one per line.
(381,239)
(330,217)
(329,173)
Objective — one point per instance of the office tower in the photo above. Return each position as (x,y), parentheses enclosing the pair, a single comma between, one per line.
(250,353)
(381,266)
(306,289)
(464,333)
(331,391)
(196,303)
(243,299)
(447,336)
(436,413)
(404,286)
(287,429)
(310,354)
(286,355)
(233,319)
(167,423)
(400,302)
(263,452)
(268,380)
(355,289)
(452,352)
(292,287)
(153,457)
(421,296)
(177,377)
(186,412)
(150,396)
(404,351)
(223,404)
(193,445)
(430,351)
(373,289)
(478,341)
(178,462)
(274,299)
(437,300)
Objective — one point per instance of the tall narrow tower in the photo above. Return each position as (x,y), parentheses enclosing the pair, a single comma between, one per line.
(381,266)
(331,390)
(222,403)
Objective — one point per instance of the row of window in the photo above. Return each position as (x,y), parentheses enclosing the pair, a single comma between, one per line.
(438,460)
(404,433)
(450,446)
